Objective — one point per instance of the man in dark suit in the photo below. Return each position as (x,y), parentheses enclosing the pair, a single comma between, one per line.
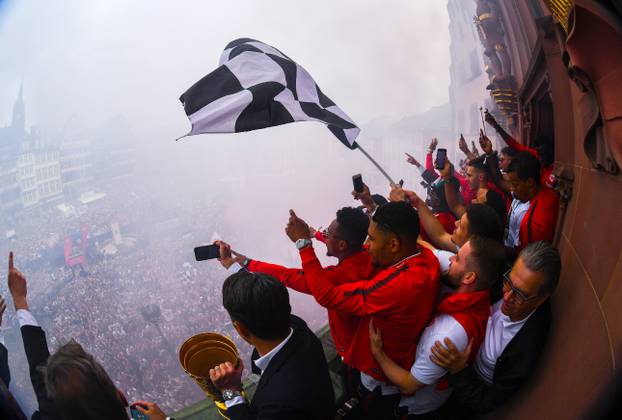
(35,344)
(515,335)
(69,384)
(294,383)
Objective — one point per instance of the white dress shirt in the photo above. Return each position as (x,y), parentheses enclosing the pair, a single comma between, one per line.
(262,364)
(24,317)
(499,332)
(517,212)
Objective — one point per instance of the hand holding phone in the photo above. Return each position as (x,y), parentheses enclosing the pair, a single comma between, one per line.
(207,252)
(441,157)
(357,182)
(137,415)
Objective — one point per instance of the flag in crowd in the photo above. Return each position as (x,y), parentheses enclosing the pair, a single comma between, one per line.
(257,86)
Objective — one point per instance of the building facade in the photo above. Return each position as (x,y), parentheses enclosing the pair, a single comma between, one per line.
(556,76)
(468,78)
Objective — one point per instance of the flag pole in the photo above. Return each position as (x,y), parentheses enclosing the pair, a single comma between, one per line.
(386,175)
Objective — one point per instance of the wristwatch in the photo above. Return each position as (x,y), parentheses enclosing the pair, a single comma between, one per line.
(301,243)
(229,394)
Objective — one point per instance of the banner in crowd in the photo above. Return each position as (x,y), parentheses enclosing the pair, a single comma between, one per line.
(257,86)
(73,256)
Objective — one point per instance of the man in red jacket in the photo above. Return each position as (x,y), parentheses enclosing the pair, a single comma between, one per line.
(539,223)
(461,315)
(344,240)
(400,297)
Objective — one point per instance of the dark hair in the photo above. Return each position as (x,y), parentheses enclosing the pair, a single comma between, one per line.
(479,165)
(542,257)
(497,202)
(484,221)
(526,166)
(438,190)
(379,200)
(399,218)
(259,302)
(352,225)
(487,260)
(545,146)
(509,151)
(80,387)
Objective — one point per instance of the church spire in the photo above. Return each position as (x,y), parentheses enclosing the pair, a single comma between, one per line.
(19,111)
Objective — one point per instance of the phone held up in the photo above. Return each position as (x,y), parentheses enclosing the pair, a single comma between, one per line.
(207,252)
(441,158)
(137,415)
(357,182)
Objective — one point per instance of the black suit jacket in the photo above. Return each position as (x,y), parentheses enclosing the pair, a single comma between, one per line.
(517,362)
(295,385)
(37,353)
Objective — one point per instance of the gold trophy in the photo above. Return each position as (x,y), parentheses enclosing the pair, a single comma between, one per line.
(202,352)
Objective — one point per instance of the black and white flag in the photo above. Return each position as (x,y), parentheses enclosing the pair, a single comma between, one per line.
(257,86)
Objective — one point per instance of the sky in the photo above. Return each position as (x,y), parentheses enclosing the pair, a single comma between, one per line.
(99,58)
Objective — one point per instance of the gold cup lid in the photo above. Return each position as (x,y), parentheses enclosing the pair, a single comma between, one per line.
(205,359)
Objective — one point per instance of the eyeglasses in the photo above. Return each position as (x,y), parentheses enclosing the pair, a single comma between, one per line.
(517,293)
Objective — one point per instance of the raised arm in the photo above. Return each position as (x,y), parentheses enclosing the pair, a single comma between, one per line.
(432,226)
(35,343)
(290,277)
(492,161)
(507,138)
(451,188)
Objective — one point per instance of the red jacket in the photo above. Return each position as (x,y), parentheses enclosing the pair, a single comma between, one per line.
(540,221)
(471,310)
(400,298)
(356,267)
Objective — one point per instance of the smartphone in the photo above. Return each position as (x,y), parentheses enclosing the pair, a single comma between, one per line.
(441,158)
(357,181)
(207,252)
(137,415)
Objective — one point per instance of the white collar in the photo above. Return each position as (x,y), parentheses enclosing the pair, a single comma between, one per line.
(506,321)
(263,361)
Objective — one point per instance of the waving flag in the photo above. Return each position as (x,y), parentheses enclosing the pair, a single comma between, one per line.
(257,86)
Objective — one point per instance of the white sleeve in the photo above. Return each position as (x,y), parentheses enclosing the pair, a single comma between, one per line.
(235,401)
(421,169)
(424,370)
(24,317)
(443,259)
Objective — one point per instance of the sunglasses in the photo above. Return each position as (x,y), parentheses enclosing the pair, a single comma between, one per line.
(517,293)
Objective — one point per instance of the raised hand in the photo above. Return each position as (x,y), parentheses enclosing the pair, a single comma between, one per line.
(411,159)
(364,197)
(226,257)
(474,148)
(447,171)
(433,144)
(17,286)
(485,143)
(449,357)
(397,193)
(462,145)
(297,228)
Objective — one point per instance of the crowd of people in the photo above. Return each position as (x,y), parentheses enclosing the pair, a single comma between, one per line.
(438,306)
